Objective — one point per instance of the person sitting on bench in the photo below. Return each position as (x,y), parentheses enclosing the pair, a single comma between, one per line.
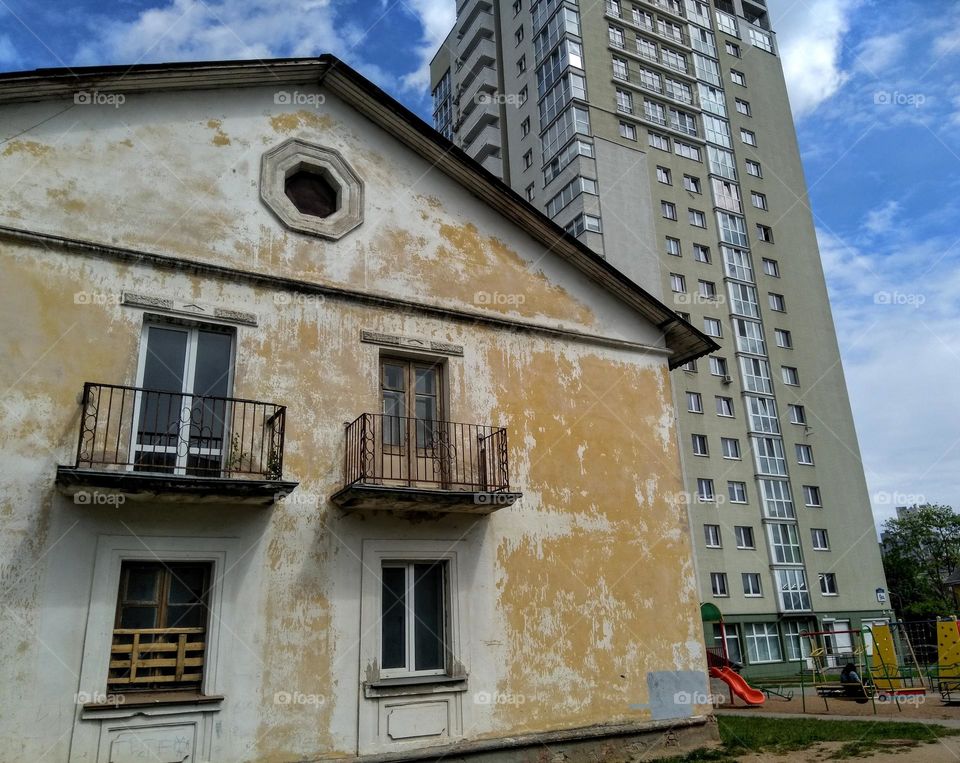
(852,683)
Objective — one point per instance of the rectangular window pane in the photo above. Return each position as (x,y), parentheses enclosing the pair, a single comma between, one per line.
(393,618)
(428,616)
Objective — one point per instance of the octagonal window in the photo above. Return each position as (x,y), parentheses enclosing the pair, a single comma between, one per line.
(311,189)
(312,193)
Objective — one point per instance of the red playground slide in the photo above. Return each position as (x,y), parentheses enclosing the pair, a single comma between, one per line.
(738,686)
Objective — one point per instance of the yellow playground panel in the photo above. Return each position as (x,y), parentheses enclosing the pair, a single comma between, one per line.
(894,667)
(948,652)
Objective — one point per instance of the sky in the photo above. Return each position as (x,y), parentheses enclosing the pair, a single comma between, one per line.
(875,90)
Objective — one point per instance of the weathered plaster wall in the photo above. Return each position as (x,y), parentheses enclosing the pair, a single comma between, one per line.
(576,593)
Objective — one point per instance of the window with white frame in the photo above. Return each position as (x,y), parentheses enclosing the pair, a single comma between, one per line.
(717,131)
(733,229)
(784,338)
(777,302)
(727,195)
(737,263)
(731,448)
(624,101)
(687,151)
(748,136)
(694,402)
(718,583)
(768,452)
(754,168)
(712,536)
(749,337)
(617,38)
(700,446)
(658,141)
(798,414)
(811,496)
(745,540)
(756,375)
(669,210)
(724,406)
(664,176)
(798,648)
(804,454)
(777,501)
(765,233)
(678,283)
(739,78)
(763,642)
(701,253)
(711,100)
(707,289)
(722,163)
(762,413)
(705,489)
(647,49)
(792,589)
(654,112)
(712,327)
(707,69)
(771,268)
(674,60)
(718,366)
(620,68)
(791,376)
(683,122)
(692,184)
(744,300)
(743,107)
(726,635)
(673,247)
(737,491)
(628,131)
(820,538)
(732,49)
(751,584)
(680,91)
(784,543)
(414,602)
(828,584)
(697,218)
(703,41)
(759,200)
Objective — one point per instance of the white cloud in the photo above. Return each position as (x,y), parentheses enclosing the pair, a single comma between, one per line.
(880,221)
(877,54)
(810,36)
(897,317)
(436,17)
(8,53)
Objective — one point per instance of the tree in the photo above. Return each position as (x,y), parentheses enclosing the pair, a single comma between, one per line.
(921,548)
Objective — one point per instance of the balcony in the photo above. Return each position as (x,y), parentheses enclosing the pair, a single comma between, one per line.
(396,463)
(173,446)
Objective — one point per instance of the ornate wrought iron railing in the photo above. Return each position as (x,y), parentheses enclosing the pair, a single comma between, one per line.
(151,431)
(400,451)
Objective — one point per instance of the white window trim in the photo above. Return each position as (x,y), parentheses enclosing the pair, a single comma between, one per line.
(375,553)
(112,550)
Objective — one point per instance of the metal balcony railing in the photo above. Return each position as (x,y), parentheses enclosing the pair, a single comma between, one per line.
(151,431)
(399,451)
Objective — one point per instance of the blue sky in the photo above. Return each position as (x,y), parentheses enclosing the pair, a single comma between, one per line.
(875,88)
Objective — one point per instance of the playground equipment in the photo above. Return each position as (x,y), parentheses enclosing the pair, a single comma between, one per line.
(722,667)
(948,662)
(738,686)
(827,650)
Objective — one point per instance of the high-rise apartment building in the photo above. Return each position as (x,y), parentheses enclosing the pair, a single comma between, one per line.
(660,134)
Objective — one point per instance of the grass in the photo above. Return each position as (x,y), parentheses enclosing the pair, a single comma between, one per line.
(742,735)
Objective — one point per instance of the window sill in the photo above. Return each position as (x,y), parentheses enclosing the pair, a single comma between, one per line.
(394,687)
(135,703)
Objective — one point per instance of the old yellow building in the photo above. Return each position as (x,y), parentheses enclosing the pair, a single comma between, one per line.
(320,443)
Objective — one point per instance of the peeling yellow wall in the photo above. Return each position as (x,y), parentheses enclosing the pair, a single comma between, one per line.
(581,588)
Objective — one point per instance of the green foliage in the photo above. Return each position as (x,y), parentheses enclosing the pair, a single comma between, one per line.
(920,551)
(743,735)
